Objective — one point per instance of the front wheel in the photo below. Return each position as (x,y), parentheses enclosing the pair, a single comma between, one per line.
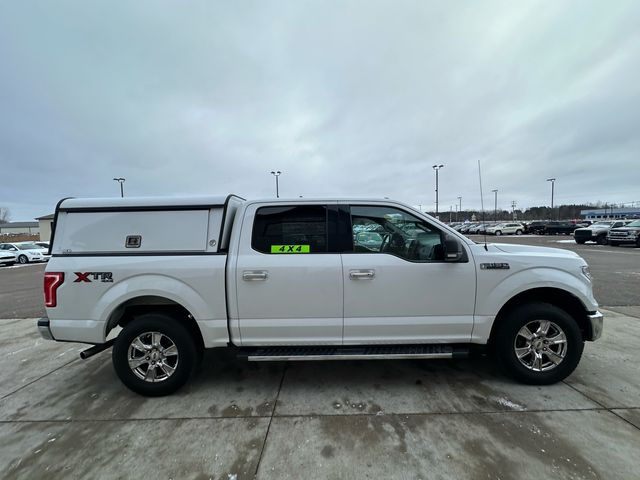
(498,233)
(22,259)
(601,240)
(518,232)
(538,344)
(154,355)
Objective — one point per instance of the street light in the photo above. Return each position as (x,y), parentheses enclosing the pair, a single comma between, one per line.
(495,205)
(460,206)
(120,180)
(276,174)
(437,168)
(553,182)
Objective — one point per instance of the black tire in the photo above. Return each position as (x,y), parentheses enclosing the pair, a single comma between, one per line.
(518,232)
(23,260)
(580,242)
(507,337)
(176,333)
(498,233)
(601,240)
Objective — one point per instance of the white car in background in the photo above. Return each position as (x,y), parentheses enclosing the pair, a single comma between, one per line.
(506,229)
(7,258)
(26,252)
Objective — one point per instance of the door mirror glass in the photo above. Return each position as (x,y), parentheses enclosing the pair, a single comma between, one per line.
(454,251)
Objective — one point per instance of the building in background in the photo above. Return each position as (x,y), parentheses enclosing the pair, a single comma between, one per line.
(19,228)
(45,223)
(601,213)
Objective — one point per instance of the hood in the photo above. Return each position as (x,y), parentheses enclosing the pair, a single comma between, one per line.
(593,228)
(625,229)
(532,250)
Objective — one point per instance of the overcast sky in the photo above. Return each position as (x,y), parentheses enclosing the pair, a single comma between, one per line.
(346,98)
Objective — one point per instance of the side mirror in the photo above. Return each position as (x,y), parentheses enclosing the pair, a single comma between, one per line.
(453,250)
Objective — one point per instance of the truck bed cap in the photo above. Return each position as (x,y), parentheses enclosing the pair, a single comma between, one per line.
(117,202)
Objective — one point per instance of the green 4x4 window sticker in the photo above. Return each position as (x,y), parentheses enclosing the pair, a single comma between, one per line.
(290,248)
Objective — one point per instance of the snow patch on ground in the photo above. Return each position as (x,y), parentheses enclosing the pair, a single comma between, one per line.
(505,402)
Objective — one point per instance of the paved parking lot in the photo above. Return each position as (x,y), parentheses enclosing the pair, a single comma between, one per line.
(61,417)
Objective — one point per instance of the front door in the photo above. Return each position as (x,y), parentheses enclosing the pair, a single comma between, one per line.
(397,286)
(289,284)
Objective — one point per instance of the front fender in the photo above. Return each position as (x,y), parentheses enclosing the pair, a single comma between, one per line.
(493,295)
(490,302)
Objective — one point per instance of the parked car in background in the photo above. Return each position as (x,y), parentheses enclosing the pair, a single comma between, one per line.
(506,229)
(26,252)
(536,227)
(7,258)
(478,229)
(629,234)
(597,232)
(466,227)
(44,245)
(559,228)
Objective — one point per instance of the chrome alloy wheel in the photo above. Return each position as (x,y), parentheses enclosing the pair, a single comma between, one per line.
(153,357)
(540,345)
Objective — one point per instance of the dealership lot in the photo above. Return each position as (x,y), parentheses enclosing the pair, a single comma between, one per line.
(61,417)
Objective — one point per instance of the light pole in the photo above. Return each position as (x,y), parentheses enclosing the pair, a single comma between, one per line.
(437,168)
(460,206)
(120,180)
(553,182)
(276,174)
(495,205)
(456,212)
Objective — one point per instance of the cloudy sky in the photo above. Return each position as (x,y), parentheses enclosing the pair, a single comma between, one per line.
(346,98)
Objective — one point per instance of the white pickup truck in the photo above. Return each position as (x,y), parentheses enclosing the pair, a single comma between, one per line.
(161,279)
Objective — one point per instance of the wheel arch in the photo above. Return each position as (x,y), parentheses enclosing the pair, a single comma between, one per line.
(554,296)
(131,308)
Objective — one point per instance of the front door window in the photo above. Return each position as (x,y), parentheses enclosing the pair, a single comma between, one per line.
(378,229)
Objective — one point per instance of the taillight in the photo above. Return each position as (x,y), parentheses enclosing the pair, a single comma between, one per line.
(52,280)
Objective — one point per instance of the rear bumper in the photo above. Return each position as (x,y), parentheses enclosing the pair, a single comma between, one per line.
(81,331)
(43,328)
(596,319)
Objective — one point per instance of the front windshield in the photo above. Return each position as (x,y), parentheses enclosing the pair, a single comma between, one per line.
(28,246)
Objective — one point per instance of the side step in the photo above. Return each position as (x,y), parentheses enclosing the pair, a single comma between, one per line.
(373,352)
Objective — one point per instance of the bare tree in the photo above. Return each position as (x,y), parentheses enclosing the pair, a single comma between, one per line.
(5,215)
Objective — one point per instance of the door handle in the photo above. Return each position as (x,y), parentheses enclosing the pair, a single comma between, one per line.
(362,274)
(254,275)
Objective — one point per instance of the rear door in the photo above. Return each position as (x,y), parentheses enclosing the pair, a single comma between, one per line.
(397,286)
(289,276)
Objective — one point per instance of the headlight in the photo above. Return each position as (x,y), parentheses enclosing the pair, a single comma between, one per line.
(586,272)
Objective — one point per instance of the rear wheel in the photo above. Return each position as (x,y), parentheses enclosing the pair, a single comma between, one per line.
(538,343)
(601,240)
(498,233)
(580,242)
(154,355)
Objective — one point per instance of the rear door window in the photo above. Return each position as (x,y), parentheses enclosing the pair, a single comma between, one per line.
(290,229)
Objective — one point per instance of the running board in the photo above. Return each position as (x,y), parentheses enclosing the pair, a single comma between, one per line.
(375,352)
